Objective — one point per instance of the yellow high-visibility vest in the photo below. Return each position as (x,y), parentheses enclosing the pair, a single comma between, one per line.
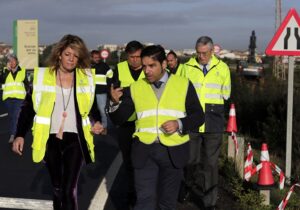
(43,97)
(14,88)
(125,75)
(213,88)
(178,71)
(151,113)
(126,80)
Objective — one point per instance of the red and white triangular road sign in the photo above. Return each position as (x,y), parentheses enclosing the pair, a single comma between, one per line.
(286,40)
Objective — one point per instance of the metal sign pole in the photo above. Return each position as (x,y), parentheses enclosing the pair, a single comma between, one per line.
(286,42)
(289,130)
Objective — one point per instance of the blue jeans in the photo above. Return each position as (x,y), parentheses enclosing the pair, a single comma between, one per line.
(101,102)
(13,106)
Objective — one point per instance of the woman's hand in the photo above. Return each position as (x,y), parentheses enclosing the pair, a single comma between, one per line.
(17,145)
(97,128)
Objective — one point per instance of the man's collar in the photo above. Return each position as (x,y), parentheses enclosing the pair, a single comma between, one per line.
(165,77)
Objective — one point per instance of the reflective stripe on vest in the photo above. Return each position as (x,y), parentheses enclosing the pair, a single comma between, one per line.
(214,87)
(166,112)
(14,88)
(44,95)
(43,120)
(101,78)
(109,73)
(151,113)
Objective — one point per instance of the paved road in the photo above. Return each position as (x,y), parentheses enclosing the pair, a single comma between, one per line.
(26,185)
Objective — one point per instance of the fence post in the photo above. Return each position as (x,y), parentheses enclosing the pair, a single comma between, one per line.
(239,158)
(266,195)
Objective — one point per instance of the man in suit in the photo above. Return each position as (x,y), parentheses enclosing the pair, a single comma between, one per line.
(167,109)
(211,79)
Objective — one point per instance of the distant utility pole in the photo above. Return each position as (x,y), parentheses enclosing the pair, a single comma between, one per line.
(278,14)
(279,70)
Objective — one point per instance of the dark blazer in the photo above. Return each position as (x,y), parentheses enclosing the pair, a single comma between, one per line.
(27,114)
(179,155)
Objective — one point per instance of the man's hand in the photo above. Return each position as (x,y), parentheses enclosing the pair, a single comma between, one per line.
(97,128)
(170,126)
(115,94)
(17,145)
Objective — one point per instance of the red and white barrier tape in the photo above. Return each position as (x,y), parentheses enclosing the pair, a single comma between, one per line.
(250,169)
(285,200)
(233,137)
(256,169)
(281,175)
(248,163)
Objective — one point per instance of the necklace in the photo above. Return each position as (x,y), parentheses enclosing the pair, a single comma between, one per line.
(65,106)
(59,135)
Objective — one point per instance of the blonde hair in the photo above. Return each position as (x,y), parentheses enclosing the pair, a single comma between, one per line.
(74,42)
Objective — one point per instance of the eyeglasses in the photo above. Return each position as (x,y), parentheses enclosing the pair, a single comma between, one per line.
(204,54)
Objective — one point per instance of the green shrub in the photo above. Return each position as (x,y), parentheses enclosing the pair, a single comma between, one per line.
(261,110)
(246,197)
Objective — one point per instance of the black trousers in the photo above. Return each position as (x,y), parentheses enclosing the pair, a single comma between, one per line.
(64,160)
(202,169)
(125,141)
(157,183)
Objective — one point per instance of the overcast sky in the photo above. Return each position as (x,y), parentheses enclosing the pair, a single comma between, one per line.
(176,24)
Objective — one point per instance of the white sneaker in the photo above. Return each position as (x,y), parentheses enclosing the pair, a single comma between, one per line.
(11,139)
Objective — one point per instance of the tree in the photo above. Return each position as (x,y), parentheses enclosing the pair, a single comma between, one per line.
(43,57)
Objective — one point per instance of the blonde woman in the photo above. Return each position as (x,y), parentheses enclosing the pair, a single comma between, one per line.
(61,107)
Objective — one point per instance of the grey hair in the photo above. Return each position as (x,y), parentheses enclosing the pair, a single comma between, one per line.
(205,40)
(12,56)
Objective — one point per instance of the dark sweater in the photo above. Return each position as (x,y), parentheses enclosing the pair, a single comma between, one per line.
(101,68)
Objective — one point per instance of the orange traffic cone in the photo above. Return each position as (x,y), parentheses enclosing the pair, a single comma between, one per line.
(265,177)
(231,125)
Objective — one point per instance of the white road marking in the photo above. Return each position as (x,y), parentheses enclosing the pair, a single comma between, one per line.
(100,197)
(3,115)
(23,203)
(98,201)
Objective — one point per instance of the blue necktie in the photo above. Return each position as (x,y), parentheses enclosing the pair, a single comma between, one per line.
(157,84)
(204,69)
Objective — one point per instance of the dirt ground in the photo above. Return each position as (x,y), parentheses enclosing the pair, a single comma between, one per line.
(225,200)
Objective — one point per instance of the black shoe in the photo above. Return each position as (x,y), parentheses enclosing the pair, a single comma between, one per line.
(184,195)
(210,208)
(131,199)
